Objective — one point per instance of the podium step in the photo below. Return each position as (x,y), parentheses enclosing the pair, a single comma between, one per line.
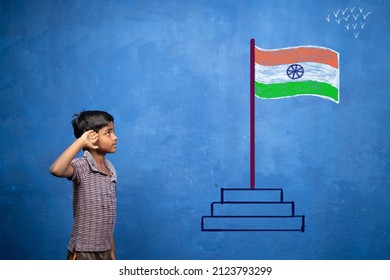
(263,223)
(251,195)
(252,209)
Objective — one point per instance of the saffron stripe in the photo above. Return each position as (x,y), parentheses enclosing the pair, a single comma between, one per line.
(291,89)
(296,55)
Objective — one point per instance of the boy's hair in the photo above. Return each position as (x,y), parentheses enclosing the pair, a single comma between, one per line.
(87,120)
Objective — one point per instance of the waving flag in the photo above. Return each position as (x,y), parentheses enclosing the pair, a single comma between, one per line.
(304,70)
(297,71)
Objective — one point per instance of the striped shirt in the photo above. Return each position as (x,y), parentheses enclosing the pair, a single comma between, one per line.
(94,205)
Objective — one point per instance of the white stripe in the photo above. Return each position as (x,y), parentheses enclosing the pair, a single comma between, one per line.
(312,72)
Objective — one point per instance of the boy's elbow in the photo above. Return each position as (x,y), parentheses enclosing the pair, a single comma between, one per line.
(56,171)
(53,171)
(59,172)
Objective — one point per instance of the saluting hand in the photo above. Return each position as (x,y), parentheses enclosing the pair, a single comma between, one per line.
(90,138)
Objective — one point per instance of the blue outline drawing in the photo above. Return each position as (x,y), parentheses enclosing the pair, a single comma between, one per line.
(253,210)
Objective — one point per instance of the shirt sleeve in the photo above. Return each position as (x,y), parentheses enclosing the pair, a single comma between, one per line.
(79,166)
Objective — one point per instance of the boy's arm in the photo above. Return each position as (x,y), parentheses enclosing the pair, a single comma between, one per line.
(61,166)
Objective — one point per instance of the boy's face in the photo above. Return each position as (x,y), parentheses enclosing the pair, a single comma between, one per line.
(107,139)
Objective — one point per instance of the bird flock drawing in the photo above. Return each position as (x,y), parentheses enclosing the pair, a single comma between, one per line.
(352,19)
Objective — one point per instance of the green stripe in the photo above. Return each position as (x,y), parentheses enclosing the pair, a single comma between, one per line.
(296,88)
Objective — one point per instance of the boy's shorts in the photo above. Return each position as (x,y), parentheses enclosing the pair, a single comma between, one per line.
(106,255)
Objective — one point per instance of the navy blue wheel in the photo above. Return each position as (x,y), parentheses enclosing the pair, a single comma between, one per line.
(295,71)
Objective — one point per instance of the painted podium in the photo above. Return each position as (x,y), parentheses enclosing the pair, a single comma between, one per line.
(253,210)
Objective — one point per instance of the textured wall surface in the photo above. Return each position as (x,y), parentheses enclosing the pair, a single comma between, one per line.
(175,76)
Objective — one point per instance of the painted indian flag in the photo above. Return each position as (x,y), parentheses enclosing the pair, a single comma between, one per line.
(303,70)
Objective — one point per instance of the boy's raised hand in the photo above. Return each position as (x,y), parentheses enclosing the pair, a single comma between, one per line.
(61,167)
(90,137)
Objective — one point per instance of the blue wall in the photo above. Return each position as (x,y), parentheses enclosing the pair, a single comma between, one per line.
(175,76)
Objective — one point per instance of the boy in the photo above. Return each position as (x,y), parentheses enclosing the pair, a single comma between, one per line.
(94,186)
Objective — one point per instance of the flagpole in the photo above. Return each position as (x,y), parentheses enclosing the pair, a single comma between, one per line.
(252,113)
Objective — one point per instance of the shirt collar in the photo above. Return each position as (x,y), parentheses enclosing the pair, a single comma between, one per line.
(92,163)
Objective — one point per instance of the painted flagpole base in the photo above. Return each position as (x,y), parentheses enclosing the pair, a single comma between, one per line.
(253,210)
